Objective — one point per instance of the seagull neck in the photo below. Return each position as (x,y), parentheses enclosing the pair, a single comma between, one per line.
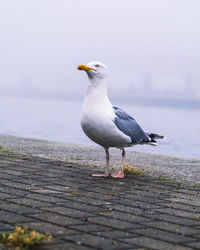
(97,92)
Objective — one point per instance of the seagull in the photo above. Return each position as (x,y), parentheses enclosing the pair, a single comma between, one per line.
(105,124)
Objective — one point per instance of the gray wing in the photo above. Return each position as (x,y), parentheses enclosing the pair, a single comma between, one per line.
(129,126)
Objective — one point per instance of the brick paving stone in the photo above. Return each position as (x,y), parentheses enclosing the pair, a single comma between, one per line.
(115,234)
(162,235)
(56,219)
(132,210)
(68,212)
(184,230)
(5,227)
(13,191)
(150,243)
(81,212)
(182,206)
(29,202)
(42,197)
(136,203)
(46,191)
(11,172)
(125,216)
(82,207)
(85,200)
(19,209)
(6,216)
(174,219)
(53,229)
(10,183)
(195,245)
(114,223)
(186,214)
(97,242)
(4,196)
(87,228)
(184,200)
(62,246)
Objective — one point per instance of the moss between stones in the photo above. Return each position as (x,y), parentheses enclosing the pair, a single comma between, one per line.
(22,238)
(133,171)
(162,178)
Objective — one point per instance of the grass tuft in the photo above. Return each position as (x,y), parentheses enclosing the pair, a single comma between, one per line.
(22,237)
(4,150)
(196,185)
(133,171)
(162,178)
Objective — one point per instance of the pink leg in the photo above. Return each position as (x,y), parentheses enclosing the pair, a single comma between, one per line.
(107,166)
(101,175)
(120,174)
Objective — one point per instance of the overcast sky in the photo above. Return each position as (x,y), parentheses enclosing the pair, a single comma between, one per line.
(43,41)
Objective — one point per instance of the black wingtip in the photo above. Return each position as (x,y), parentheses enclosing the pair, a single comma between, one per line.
(155,136)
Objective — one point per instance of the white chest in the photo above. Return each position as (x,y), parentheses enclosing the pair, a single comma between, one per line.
(97,123)
(98,116)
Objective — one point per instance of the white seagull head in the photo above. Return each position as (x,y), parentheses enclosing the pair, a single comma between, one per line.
(95,70)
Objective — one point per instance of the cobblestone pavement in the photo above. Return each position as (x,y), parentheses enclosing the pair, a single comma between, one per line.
(184,170)
(81,212)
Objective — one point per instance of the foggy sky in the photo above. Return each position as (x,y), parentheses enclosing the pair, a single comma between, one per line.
(43,41)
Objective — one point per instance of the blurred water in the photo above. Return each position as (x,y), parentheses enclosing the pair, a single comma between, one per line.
(59,120)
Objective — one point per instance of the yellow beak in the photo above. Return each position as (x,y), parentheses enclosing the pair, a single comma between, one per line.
(83,67)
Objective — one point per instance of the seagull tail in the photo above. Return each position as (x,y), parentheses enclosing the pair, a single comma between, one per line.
(154,137)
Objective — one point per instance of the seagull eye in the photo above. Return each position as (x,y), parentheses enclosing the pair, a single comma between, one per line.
(97,65)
